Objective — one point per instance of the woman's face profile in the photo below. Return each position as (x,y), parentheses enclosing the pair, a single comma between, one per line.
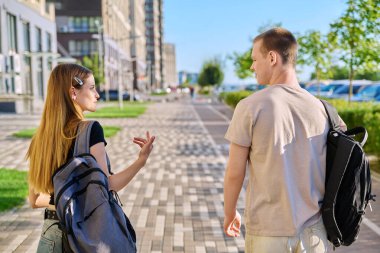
(87,96)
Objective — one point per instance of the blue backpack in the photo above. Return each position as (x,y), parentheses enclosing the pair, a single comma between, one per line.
(89,212)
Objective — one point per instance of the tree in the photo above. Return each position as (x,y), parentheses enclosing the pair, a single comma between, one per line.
(92,63)
(356,34)
(339,73)
(211,73)
(243,61)
(315,50)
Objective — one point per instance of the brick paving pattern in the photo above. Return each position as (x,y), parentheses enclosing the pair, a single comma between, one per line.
(176,202)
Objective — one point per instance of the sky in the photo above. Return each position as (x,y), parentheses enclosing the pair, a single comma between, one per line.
(204,29)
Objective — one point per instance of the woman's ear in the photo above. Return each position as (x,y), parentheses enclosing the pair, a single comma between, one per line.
(73,93)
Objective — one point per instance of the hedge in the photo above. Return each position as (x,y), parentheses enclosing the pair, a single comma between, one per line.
(353,114)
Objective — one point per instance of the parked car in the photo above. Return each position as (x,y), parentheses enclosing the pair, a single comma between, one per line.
(114,95)
(343,92)
(329,89)
(254,87)
(313,88)
(368,93)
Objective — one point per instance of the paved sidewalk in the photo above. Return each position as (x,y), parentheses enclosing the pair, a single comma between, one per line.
(175,203)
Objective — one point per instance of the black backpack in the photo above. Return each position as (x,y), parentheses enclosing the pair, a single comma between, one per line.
(90,216)
(348,182)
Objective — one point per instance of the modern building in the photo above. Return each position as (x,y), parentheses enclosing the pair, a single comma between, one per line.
(154,42)
(102,28)
(170,66)
(28,52)
(138,46)
(186,77)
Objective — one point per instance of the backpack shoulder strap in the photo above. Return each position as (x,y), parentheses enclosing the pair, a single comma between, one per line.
(332,114)
(82,142)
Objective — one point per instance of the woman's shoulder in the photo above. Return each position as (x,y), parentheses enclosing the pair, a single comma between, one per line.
(97,134)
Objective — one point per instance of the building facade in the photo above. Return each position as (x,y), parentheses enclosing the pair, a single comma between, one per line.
(185,77)
(28,52)
(100,31)
(138,45)
(154,42)
(170,66)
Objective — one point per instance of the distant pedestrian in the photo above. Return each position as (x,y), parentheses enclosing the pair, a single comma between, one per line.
(71,91)
(281,132)
(192,91)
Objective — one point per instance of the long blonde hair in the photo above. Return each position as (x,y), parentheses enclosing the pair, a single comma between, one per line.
(51,143)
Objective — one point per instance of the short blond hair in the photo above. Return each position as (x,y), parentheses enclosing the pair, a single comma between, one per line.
(280,40)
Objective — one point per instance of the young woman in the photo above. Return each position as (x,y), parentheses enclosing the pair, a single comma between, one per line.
(71,91)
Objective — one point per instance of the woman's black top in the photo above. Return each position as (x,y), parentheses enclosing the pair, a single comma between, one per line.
(96,136)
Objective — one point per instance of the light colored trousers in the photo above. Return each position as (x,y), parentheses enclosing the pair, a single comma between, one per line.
(51,238)
(312,239)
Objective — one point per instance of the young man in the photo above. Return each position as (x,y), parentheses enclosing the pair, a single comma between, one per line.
(281,131)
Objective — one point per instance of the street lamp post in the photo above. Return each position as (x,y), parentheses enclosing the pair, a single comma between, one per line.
(100,53)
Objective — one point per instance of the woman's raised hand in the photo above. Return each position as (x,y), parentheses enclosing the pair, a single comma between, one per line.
(146,146)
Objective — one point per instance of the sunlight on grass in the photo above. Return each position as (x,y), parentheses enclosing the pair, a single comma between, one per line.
(13,188)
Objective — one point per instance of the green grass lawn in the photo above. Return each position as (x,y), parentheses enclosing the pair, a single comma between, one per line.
(26,133)
(109,131)
(13,188)
(130,110)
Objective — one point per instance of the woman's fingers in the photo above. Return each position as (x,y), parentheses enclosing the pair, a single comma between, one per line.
(140,139)
(139,143)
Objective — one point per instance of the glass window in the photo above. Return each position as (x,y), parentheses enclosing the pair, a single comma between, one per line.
(71,24)
(40,78)
(12,32)
(85,47)
(39,39)
(92,25)
(48,42)
(77,24)
(85,24)
(72,47)
(26,32)
(94,45)
(28,75)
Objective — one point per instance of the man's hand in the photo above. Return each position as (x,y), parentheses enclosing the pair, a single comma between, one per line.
(232,225)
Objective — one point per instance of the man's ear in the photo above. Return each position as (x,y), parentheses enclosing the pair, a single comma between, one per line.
(272,57)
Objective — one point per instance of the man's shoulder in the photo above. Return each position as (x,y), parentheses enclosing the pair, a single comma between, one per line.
(257,97)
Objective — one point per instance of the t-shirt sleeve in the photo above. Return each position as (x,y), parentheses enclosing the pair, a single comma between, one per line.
(240,128)
(97,134)
(342,124)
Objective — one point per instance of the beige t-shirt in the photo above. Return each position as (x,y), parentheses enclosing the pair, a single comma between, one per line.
(286,130)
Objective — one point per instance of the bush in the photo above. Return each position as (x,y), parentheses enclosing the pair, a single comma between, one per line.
(233,98)
(353,114)
(205,90)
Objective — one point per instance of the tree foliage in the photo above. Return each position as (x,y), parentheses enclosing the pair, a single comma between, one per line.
(315,50)
(356,36)
(211,73)
(340,73)
(92,63)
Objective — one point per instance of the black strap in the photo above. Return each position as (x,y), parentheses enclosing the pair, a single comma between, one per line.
(332,114)
(358,130)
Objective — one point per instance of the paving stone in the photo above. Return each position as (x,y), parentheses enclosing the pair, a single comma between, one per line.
(175,202)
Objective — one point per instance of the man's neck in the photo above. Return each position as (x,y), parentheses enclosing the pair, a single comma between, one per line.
(286,76)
